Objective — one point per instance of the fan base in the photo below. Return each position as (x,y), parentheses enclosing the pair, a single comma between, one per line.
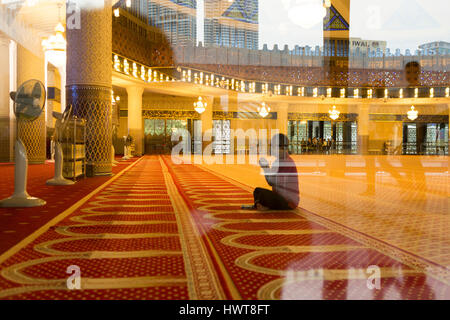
(21,202)
(59,182)
(107,174)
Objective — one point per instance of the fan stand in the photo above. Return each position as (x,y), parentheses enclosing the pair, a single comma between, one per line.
(126,156)
(125,153)
(58,179)
(20,197)
(113,159)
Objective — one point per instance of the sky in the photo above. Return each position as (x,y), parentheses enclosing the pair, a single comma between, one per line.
(404,24)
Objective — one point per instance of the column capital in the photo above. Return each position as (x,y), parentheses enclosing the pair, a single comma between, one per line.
(135,90)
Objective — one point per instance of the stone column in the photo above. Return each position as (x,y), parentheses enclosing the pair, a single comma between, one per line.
(282,117)
(6,113)
(232,105)
(62,87)
(233,101)
(363,129)
(50,103)
(135,117)
(207,118)
(88,82)
(33,134)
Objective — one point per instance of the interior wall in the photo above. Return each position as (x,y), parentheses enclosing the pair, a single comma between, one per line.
(380,132)
(33,134)
(255,124)
(321,108)
(430,109)
(123,127)
(122,130)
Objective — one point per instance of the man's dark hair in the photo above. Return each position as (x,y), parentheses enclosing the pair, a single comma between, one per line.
(412,64)
(280,139)
(412,73)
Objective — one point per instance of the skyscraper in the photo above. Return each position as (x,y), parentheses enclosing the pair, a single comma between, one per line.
(177,18)
(138,8)
(231,23)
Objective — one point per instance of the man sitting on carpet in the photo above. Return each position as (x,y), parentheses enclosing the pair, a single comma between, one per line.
(282,177)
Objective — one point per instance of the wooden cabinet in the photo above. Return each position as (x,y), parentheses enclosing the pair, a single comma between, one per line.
(74,149)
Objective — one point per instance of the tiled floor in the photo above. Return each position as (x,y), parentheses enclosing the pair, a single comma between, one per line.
(402,200)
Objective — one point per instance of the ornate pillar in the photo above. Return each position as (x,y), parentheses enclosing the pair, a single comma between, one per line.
(135,117)
(33,134)
(88,85)
(363,128)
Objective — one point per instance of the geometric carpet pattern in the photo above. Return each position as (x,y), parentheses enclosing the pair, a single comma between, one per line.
(158,230)
(295,255)
(125,240)
(18,223)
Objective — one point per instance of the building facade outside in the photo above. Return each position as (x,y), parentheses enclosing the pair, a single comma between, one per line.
(436,47)
(177,18)
(366,46)
(232,23)
(138,8)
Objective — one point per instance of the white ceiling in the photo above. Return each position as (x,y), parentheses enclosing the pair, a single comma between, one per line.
(40,15)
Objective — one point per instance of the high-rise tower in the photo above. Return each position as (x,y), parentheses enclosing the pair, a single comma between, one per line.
(177,18)
(231,23)
(138,8)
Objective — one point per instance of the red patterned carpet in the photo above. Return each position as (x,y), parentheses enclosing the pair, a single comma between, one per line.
(18,223)
(163,231)
(287,255)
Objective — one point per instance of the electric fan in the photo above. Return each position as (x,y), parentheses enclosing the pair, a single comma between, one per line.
(60,126)
(29,101)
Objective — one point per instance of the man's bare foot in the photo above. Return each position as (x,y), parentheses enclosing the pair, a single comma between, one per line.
(260,207)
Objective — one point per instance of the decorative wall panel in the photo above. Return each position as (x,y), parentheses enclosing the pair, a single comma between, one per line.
(33,136)
(429,118)
(138,41)
(322,116)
